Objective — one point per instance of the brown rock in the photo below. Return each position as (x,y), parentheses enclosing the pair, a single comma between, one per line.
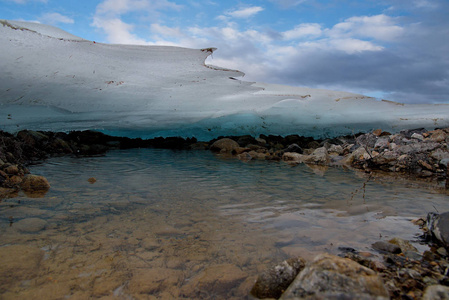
(333,277)
(377,132)
(225,145)
(12,170)
(273,282)
(34,183)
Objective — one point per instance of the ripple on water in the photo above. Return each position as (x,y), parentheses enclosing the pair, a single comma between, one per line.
(160,222)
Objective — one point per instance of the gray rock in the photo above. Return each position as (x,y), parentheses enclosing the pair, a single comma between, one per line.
(318,157)
(438,225)
(333,277)
(294,148)
(273,282)
(436,292)
(387,247)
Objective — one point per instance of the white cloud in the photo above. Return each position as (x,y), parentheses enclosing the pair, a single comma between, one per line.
(351,46)
(118,32)
(303,30)
(245,12)
(55,18)
(379,27)
(108,17)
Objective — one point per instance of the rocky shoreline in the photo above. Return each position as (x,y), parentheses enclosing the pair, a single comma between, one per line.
(402,273)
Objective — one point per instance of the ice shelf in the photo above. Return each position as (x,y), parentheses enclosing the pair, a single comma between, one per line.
(53,80)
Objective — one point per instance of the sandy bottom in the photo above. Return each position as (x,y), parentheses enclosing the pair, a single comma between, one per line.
(159,224)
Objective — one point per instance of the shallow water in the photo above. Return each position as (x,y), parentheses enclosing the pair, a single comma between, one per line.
(189,224)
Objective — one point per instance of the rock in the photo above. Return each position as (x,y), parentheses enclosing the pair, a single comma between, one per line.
(273,282)
(438,226)
(333,277)
(377,132)
(436,292)
(382,143)
(318,157)
(367,140)
(225,145)
(32,138)
(293,157)
(35,183)
(30,225)
(357,155)
(336,149)
(386,247)
(12,170)
(403,244)
(417,136)
(438,135)
(294,148)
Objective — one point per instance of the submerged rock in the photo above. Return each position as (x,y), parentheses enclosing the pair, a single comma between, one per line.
(333,277)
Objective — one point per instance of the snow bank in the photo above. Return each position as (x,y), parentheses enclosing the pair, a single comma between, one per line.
(52,80)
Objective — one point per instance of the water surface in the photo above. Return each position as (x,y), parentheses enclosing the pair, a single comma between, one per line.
(189,224)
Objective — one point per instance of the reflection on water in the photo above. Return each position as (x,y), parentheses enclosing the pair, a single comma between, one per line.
(184,224)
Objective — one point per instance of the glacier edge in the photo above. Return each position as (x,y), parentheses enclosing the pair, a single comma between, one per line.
(52,80)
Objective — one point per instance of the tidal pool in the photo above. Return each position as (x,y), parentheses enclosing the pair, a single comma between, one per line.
(161,224)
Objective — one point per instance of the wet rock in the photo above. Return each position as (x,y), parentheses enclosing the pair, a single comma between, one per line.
(333,277)
(30,225)
(225,145)
(273,282)
(35,183)
(438,226)
(436,292)
(386,247)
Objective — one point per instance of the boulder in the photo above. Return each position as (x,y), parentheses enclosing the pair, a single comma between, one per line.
(318,157)
(273,282)
(225,145)
(35,183)
(333,277)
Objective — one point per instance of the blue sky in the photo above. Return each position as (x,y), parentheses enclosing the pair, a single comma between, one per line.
(391,49)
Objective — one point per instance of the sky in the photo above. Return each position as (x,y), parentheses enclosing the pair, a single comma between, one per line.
(389,49)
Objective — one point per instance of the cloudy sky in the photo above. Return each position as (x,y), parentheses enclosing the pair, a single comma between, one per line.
(390,49)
